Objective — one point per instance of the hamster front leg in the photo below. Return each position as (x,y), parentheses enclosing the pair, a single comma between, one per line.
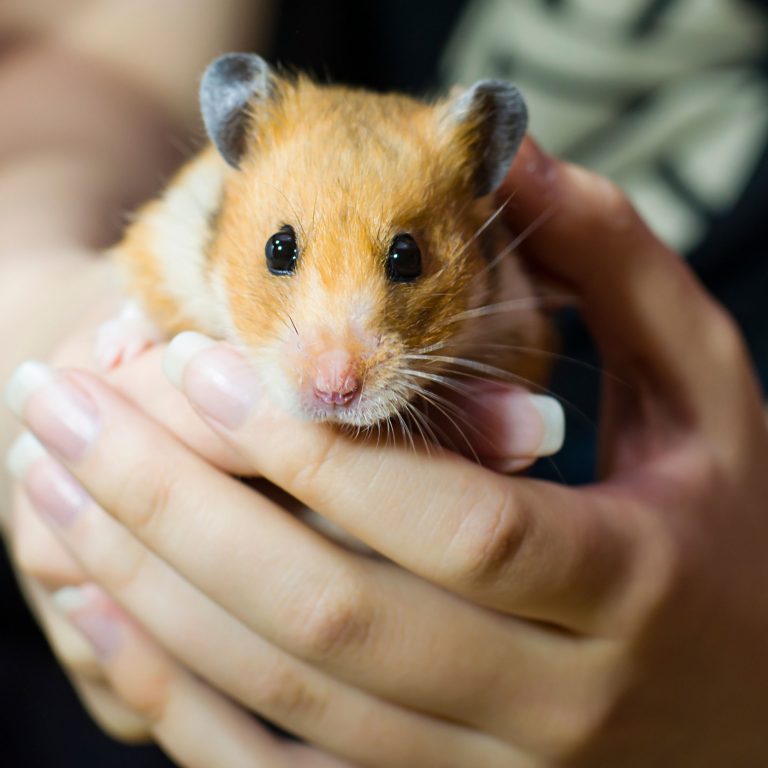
(125,336)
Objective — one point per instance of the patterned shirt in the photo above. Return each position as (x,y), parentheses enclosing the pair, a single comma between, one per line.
(670,99)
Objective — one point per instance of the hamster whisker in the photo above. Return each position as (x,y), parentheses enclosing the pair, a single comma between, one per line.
(445,407)
(518,240)
(428,437)
(446,382)
(438,438)
(533,302)
(421,417)
(432,347)
(492,346)
(427,397)
(406,432)
(437,398)
(487,223)
(390,433)
(466,362)
(492,372)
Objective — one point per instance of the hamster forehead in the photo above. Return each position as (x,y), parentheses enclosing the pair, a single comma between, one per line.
(340,154)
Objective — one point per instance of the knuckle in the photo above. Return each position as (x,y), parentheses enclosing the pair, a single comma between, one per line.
(617,207)
(285,695)
(27,541)
(587,711)
(147,691)
(491,531)
(678,546)
(73,652)
(303,469)
(152,490)
(27,560)
(577,732)
(118,568)
(606,204)
(664,565)
(332,622)
(110,712)
(725,340)
(30,555)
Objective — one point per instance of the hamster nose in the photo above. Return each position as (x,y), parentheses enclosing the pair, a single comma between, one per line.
(336,378)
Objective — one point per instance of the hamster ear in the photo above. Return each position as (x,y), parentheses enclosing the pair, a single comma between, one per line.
(229,86)
(491,119)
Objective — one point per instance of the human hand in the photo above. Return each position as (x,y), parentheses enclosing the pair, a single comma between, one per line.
(42,564)
(44,567)
(625,628)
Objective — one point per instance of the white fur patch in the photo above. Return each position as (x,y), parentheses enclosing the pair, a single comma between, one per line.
(180,233)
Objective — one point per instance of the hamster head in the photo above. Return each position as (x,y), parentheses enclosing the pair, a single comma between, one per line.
(346,243)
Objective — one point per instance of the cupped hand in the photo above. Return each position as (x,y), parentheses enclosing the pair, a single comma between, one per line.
(519,623)
(156,692)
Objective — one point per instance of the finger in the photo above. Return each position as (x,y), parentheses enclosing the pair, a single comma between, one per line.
(142,382)
(343,720)
(528,548)
(503,427)
(36,551)
(79,661)
(195,725)
(506,545)
(109,712)
(640,299)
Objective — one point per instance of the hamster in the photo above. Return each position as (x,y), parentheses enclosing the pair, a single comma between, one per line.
(346,241)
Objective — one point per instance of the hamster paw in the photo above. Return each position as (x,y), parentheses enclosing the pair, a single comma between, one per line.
(124,337)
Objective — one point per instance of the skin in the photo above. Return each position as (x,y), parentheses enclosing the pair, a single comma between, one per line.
(97,107)
(626,626)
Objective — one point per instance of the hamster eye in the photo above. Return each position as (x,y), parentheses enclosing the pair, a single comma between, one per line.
(403,260)
(282,252)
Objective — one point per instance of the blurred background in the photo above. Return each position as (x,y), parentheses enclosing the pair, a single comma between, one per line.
(668,97)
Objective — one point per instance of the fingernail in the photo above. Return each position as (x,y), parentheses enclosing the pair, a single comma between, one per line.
(26,379)
(525,425)
(216,379)
(53,491)
(59,413)
(180,351)
(553,421)
(24,452)
(88,609)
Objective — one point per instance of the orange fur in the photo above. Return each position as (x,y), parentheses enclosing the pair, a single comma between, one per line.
(348,170)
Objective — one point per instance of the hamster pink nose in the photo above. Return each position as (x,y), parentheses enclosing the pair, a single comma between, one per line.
(336,379)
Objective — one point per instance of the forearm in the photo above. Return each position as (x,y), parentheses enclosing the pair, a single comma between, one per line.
(80,149)
(101,93)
